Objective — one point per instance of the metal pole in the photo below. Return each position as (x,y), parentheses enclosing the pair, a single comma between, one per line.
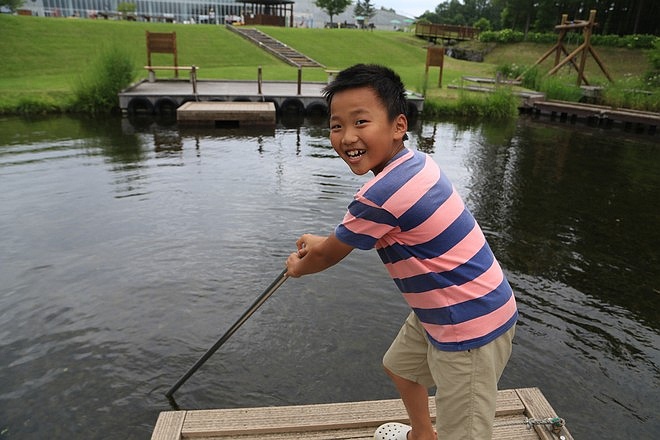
(299,79)
(253,308)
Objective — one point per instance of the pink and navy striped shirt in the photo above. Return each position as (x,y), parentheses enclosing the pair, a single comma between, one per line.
(434,250)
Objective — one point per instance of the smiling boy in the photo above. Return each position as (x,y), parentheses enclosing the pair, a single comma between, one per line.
(458,337)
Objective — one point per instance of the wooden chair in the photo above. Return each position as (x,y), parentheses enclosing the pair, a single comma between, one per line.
(165,42)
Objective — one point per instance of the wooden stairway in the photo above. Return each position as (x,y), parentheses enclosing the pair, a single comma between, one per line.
(275,47)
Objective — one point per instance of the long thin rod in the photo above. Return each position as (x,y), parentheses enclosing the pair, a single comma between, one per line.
(253,308)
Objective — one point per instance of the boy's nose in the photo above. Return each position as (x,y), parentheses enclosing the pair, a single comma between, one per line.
(349,137)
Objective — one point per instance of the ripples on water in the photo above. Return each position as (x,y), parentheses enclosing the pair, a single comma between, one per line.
(127,251)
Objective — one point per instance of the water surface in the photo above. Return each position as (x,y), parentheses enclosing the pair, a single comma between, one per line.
(129,249)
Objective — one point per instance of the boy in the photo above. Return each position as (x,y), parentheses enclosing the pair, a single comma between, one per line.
(458,335)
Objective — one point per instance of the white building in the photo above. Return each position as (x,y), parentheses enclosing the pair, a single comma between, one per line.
(305,13)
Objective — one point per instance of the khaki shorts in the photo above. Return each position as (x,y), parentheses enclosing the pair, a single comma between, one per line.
(465,381)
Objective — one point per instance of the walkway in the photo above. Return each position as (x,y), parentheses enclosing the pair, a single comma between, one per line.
(275,47)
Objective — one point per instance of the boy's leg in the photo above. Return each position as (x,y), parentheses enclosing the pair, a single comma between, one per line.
(415,398)
(405,362)
(467,388)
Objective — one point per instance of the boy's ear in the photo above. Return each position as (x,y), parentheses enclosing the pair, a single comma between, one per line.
(400,126)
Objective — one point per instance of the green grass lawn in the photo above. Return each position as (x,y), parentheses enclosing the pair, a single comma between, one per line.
(44,57)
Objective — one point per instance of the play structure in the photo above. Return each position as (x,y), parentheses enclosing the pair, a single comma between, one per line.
(582,50)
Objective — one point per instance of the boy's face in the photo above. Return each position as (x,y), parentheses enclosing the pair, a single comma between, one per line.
(361,132)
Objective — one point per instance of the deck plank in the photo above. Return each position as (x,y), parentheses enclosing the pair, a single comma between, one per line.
(318,417)
(169,425)
(339,421)
(537,407)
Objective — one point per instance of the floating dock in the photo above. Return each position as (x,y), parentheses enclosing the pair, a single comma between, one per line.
(164,96)
(226,114)
(596,115)
(522,414)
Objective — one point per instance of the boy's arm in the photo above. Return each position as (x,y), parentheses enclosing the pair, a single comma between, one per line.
(315,254)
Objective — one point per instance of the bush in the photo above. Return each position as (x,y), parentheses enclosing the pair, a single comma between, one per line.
(98,88)
(488,36)
(483,24)
(631,93)
(541,38)
(503,36)
(510,71)
(573,38)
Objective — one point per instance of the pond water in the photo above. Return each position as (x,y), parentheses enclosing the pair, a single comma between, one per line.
(128,249)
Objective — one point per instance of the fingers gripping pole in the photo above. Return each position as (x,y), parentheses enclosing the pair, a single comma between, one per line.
(253,308)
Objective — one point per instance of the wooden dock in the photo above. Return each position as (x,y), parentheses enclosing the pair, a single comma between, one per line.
(226,114)
(164,96)
(598,115)
(522,414)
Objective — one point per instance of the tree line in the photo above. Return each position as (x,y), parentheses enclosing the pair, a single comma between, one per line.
(620,17)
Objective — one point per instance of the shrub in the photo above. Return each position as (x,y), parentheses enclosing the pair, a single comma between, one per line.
(510,36)
(631,93)
(512,70)
(488,36)
(98,88)
(483,24)
(637,41)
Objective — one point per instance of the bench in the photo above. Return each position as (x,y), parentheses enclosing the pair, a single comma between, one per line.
(165,42)
(192,69)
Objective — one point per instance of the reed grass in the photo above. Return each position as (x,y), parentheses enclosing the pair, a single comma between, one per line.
(98,87)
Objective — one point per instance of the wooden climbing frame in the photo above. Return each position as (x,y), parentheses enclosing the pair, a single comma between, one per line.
(582,50)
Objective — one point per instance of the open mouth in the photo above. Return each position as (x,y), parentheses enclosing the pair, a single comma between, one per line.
(355,153)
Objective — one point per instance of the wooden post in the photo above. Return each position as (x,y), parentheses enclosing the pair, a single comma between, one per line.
(259,80)
(560,39)
(586,32)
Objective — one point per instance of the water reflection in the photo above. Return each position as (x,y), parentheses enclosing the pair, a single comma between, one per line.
(128,248)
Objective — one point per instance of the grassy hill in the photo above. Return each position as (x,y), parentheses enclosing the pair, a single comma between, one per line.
(44,57)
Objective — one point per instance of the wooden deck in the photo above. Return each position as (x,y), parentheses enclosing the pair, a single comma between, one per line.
(226,114)
(352,420)
(302,96)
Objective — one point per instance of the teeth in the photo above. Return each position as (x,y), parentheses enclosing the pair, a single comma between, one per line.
(355,153)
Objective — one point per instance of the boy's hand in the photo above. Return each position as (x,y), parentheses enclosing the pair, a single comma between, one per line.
(315,253)
(304,243)
(307,241)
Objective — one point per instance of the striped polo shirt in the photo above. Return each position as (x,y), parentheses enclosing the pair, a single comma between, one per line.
(434,250)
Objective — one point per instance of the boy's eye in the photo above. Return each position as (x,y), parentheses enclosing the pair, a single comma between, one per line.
(335,126)
(360,121)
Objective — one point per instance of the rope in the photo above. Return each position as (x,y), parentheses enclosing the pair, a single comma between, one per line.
(554,424)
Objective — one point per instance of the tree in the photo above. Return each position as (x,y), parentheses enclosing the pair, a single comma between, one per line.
(12,5)
(365,9)
(622,17)
(125,8)
(332,7)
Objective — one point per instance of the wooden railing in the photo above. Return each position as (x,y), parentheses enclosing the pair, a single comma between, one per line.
(445,31)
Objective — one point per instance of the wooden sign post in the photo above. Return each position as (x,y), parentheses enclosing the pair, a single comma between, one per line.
(435,56)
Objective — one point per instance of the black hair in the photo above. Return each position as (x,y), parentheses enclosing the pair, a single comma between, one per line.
(384,81)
